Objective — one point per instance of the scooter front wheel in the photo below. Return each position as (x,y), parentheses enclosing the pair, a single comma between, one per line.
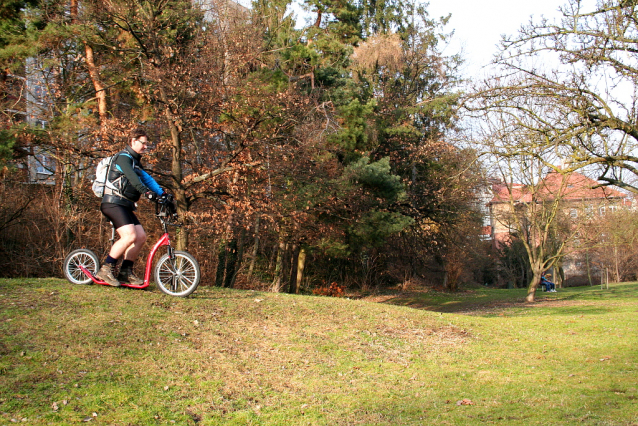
(81,257)
(179,276)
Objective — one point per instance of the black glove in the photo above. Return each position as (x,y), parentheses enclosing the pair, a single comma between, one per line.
(150,195)
(167,200)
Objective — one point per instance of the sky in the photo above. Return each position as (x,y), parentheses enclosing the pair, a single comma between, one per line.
(478,25)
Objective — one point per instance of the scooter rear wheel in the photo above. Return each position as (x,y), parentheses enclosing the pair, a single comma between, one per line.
(179,276)
(77,258)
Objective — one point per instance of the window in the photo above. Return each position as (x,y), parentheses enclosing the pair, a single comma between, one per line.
(44,164)
(601,210)
(39,94)
(573,213)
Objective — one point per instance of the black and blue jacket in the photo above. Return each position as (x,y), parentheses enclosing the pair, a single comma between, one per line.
(129,180)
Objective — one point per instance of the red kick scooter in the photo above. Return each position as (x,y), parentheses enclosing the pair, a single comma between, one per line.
(177,273)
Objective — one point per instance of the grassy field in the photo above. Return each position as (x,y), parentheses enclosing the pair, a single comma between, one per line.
(108,356)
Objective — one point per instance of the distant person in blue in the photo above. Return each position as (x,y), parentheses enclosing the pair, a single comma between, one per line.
(549,286)
(129,181)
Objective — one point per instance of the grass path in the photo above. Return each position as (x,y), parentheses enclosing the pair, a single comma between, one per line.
(74,354)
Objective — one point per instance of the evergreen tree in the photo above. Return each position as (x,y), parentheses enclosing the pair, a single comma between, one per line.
(14,41)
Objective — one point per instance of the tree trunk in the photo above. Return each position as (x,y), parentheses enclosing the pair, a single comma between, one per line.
(221,264)
(285,266)
(253,256)
(561,277)
(237,260)
(294,261)
(276,283)
(181,200)
(533,284)
(100,90)
(453,269)
(301,264)
(94,74)
(231,261)
(616,267)
(591,282)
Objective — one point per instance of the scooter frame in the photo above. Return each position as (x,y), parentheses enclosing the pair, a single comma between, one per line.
(164,240)
(175,270)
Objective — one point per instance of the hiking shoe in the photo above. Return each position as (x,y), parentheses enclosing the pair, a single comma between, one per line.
(128,276)
(106,275)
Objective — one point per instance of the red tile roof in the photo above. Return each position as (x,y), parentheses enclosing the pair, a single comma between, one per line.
(575,187)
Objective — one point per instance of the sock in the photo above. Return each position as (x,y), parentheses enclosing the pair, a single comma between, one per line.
(127,264)
(110,260)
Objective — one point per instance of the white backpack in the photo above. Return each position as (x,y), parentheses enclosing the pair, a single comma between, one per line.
(101,173)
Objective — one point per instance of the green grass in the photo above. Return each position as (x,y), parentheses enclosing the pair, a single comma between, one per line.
(112,356)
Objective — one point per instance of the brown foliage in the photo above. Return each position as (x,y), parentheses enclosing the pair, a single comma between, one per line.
(334,290)
(37,231)
(379,51)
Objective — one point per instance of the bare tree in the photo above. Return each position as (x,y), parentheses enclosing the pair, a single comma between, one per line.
(613,244)
(528,204)
(589,98)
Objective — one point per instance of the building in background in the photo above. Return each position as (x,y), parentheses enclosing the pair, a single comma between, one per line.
(583,202)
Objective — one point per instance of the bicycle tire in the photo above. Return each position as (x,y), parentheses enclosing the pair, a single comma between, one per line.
(72,262)
(179,276)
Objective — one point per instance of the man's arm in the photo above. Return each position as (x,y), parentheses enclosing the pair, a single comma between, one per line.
(124,164)
(150,182)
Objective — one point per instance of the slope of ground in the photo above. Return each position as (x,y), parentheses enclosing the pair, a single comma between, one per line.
(111,356)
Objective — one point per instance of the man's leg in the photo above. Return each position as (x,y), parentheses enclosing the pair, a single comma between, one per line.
(133,250)
(130,255)
(127,237)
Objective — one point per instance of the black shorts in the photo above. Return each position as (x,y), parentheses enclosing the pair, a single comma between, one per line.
(119,215)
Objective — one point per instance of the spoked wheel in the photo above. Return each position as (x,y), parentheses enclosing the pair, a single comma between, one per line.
(77,258)
(179,276)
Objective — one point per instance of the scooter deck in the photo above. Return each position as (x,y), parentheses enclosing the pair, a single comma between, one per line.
(122,284)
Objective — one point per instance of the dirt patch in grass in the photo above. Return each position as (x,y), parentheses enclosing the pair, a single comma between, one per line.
(501,307)
(469,302)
